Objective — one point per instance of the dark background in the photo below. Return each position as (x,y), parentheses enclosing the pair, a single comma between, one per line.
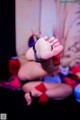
(7,35)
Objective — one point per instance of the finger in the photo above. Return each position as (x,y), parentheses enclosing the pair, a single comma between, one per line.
(54,41)
(51,39)
(56,44)
(46,37)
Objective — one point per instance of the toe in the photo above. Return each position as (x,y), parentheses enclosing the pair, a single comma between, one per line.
(28,98)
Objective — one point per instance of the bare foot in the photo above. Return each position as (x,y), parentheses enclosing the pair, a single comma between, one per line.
(44,49)
(28,98)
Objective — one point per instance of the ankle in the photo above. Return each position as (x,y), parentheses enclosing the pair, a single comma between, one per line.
(36,93)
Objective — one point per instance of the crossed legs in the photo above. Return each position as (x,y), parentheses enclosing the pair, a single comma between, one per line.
(55,91)
(45,49)
(31,69)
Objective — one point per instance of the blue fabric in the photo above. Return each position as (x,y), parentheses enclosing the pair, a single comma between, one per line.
(55,79)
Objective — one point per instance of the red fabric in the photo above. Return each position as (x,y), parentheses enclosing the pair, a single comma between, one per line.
(70,81)
(14,81)
(75,69)
(41,87)
(43,98)
(56,60)
(14,66)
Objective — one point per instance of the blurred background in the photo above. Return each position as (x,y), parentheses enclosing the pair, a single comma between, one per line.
(53,18)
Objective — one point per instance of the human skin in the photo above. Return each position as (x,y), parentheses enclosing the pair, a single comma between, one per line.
(32,70)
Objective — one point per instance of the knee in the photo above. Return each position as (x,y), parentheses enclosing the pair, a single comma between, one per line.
(68,90)
(65,92)
(20,75)
(24,88)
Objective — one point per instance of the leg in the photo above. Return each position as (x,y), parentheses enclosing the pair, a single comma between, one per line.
(55,91)
(32,70)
